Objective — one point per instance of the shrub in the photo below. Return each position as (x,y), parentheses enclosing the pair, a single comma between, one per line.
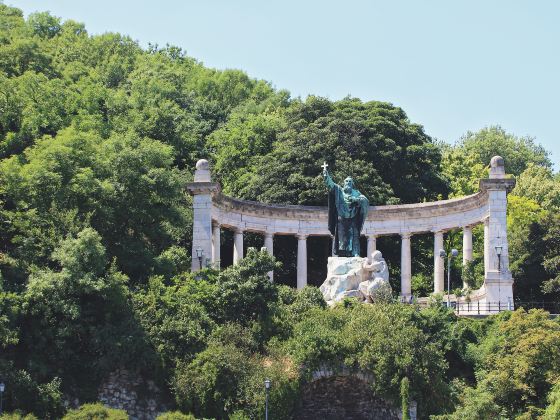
(95,412)
(17,416)
(175,415)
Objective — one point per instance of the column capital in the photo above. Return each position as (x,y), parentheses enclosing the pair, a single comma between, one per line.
(406,235)
(216,224)
(237,230)
(198,188)
(268,234)
(438,231)
(302,236)
(495,184)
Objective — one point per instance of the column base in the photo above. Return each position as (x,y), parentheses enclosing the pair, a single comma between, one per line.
(499,287)
(406,298)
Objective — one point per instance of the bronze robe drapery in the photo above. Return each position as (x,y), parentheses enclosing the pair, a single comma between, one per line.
(347,214)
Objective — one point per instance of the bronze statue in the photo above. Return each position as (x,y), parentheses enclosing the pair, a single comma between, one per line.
(347,213)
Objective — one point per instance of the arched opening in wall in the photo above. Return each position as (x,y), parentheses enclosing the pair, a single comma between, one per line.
(422,246)
(285,251)
(319,249)
(342,397)
(226,248)
(390,247)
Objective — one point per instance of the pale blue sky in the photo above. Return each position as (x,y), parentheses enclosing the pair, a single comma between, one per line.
(452,66)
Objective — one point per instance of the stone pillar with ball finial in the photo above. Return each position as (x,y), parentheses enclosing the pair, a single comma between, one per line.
(498,280)
(202,189)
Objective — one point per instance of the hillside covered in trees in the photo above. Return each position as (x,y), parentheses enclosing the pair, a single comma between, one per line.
(98,138)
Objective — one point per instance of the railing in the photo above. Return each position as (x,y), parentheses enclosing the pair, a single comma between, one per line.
(487,308)
(481,308)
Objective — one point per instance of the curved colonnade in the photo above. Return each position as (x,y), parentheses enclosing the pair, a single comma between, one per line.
(214,211)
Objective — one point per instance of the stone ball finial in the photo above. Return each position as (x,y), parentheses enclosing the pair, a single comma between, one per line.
(496,161)
(202,173)
(497,169)
(202,164)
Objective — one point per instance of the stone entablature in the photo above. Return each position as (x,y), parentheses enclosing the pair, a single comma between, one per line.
(382,220)
(212,211)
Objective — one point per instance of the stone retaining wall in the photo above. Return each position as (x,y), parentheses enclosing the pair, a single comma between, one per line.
(140,398)
(343,397)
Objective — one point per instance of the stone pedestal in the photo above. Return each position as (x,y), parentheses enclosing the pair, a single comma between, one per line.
(356,277)
(344,275)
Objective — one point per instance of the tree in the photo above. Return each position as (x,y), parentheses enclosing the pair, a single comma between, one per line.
(44,25)
(393,347)
(211,383)
(551,259)
(463,169)
(552,411)
(518,152)
(125,187)
(516,361)
(175,415)
(533,238)
(176,318)
(244,291)
(404,398)
(79,312)
(474,404)
(526,247)
(539,184)
(370,141)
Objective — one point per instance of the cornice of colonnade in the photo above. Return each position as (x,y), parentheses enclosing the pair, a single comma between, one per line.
(289,211)
(284,219)
(280,219)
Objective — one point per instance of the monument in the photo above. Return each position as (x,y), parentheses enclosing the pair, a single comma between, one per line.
(215,212)
(349,275)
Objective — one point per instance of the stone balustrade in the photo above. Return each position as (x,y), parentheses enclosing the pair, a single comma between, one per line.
(214,211)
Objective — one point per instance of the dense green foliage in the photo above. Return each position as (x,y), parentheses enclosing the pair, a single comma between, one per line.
(95,412)
(390,159)
(97,140)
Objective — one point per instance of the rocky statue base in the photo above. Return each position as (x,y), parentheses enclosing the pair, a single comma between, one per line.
(356,277)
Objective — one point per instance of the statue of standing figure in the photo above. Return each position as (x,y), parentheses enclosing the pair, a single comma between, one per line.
(348,275)
(348,210)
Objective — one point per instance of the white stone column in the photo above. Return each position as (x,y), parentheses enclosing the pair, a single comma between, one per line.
(467,248)
(497,229)
(201,189)
(216,242)
(439,263)
(498,280)
(467,245)
(486,245)
(371,245)
(406,266)
(269,245)
(302,261)
(237,245)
